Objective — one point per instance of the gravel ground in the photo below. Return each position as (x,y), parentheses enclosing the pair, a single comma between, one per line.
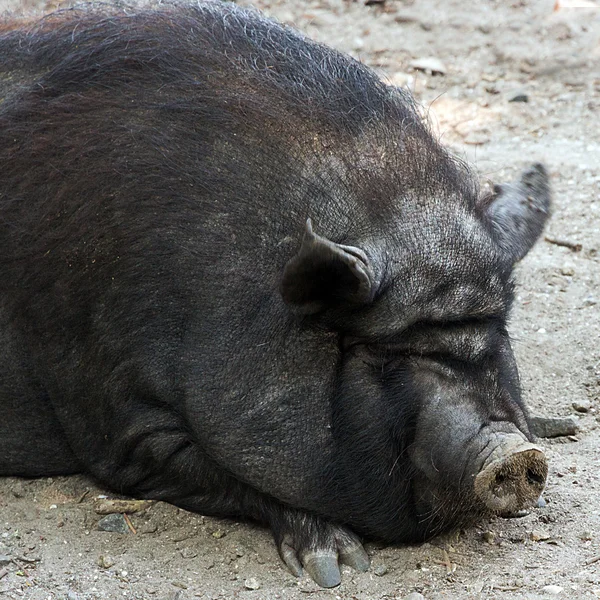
(490,52)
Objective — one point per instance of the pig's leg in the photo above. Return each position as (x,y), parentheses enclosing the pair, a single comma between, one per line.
(305,541)
(165,464)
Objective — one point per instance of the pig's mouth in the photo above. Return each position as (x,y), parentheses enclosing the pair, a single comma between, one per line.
(512,477)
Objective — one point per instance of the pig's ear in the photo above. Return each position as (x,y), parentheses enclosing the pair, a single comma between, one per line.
(517,212)
(324,275)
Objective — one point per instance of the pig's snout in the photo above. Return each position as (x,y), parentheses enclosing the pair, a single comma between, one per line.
(513,476)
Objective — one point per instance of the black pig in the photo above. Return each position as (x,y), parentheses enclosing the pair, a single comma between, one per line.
(240,275)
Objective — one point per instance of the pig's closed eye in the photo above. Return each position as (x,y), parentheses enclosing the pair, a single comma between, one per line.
(389,352)
(459,323)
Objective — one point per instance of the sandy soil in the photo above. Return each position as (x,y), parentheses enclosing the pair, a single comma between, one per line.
(50,546)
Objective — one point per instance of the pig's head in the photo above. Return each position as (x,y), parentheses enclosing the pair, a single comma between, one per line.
(427,377)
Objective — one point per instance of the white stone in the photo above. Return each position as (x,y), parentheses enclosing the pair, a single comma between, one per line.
(552,589)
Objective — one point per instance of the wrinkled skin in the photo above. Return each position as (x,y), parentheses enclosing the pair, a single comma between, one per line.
(240,275)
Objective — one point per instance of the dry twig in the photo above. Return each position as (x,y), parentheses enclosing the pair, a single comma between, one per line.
(129,523)
(564,243)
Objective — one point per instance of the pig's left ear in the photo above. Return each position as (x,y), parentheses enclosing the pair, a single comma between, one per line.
(326,275)
(518,211)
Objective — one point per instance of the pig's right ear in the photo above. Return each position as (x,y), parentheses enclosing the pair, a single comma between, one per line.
(325,275)
(517,212)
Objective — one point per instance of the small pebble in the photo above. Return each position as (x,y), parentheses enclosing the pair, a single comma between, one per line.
(582,406)
(430,65)
(188,552)
(489,537)
(414,596)
(18,489)
(105,561)
(537,535)
(148,528)
(552,589)
(71,595)
(517,96)
(380,570)
(586,536)
(218,534)
(252,584)
(5,560)
(179,584)
(114,523)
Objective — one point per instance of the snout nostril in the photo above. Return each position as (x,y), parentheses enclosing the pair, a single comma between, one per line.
(500,478)
(534,478)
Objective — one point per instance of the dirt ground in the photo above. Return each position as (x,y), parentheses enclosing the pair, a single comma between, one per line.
(492,51)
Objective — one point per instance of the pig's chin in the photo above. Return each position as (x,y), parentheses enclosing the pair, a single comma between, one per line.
(445,508)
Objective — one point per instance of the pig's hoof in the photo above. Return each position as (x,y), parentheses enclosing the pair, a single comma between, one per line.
(322,553)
